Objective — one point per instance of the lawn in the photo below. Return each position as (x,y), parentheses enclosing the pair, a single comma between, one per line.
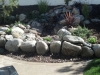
(93,68)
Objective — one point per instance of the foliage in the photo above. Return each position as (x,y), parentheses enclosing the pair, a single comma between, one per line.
(16,23)
(6,9)
(47,38)
(43,6)
(92,40)
(82,32)
(8,31)
(66,1)
(69,18)
(93,68)
(85,11)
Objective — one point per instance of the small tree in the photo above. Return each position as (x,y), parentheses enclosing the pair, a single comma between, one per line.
(6,9)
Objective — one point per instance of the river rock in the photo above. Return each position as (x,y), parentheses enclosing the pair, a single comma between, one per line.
(28,46)
(13,45)
(86,51)
(2,41)
(69,49)
(62,32)
(41,47)
(73,39)
(96,48)
(55,47)
(17,32)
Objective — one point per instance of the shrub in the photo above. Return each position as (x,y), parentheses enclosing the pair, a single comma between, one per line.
(6,9)
(43,6)
(47,38)
(92,40)
(82,32)
(85,10)
(69,18)
(8,31)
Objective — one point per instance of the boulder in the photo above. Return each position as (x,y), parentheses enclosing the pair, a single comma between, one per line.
(2,32)
(75,11)
(22,17)
(55,47)
(17,32)
(86,51)
(57,11)
(41,47)
(30,37)
(36,26)
(21,26)
(13,45)
(2,41)
(2,50)
(62,32)
(8,37)
(4,29)
(63,22)
(69,49)
(73,39)
(86,22)
(77,20)
(28,46)
(96,48)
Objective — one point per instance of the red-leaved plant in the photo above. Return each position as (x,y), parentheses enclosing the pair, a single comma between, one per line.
(69,18)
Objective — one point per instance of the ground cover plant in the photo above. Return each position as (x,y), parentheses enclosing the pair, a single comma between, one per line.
(93,68)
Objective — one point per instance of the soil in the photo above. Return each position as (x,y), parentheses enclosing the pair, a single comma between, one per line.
(55,58)
(48,58)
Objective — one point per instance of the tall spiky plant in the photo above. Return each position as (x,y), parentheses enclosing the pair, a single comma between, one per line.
(43,6)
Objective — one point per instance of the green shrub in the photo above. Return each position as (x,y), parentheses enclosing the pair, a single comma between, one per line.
(6,9)
(82,32)
(92,40)
(8,31)
(85,11)
(43,6)
(16,23)
(47,38)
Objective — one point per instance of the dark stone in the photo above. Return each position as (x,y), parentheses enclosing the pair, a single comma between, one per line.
(8,70)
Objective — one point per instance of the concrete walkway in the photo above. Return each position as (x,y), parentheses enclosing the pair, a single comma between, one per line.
(34,68)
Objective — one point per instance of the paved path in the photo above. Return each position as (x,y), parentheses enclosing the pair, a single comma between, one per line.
(34,68)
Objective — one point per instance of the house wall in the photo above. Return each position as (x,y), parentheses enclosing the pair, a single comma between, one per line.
(55,2)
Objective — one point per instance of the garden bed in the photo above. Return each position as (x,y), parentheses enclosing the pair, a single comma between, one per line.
(51,37)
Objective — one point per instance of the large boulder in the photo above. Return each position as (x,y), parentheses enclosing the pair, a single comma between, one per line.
(36,26)
(2,32)
(2,41)
(86,51)
(13,45)
(69,49)
(41,47)
(96,48)
(28,46)
(17,32)
(77,20)
(55,47)
(3,28)
(8,37)
(73,39)
(62,32)
(30,37)
(22,17)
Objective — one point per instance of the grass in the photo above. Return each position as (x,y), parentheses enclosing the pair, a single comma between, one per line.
(93,68)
